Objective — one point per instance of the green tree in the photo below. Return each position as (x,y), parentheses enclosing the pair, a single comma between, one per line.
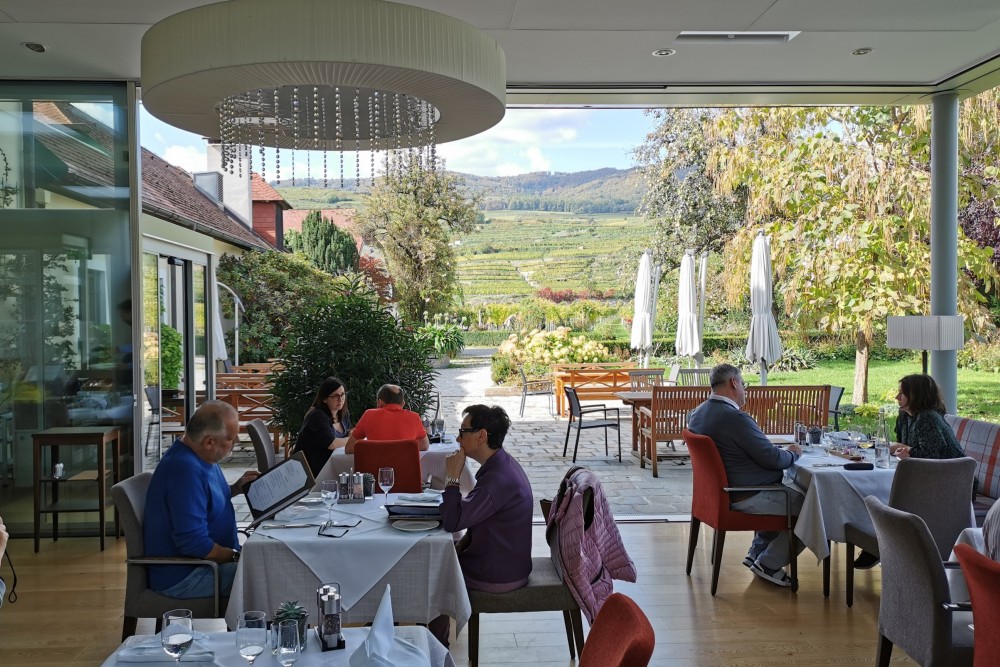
(410,214)
(680,197)
(326,246)
(844,194)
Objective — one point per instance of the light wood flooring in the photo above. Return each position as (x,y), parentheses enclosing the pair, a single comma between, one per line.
(69,609)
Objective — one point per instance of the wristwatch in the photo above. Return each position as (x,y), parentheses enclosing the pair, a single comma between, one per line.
(448,481)
(236,556)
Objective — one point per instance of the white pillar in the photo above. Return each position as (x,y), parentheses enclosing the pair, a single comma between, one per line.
(944,235)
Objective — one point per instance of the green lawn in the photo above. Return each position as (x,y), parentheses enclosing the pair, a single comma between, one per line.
(978,391)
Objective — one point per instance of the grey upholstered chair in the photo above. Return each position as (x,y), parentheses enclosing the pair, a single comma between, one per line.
(262,445)
(545,591)
(912,613)
(836,393)
(938,491)
(140,600)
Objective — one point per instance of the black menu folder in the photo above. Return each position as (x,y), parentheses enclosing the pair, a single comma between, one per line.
(279,487)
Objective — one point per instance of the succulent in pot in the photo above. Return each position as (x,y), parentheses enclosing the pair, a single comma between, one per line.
(292,611)
(369,482)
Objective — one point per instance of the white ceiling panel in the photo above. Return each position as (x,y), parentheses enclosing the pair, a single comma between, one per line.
(146,12)
(493,15)
(881,16)
(600,15)
(110,53)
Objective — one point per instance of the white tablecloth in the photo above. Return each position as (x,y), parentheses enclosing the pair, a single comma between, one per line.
(426,579)
(223,644)
(834,498)
(431,463)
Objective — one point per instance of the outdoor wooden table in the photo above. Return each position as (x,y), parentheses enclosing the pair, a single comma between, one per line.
(636,399)
(591,381)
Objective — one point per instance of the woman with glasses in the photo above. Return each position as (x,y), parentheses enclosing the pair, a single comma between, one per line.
(326,426)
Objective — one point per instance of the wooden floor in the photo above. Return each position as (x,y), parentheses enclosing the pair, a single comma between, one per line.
(70,595)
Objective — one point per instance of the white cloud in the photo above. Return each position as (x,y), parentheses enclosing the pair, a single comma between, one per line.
(102,112)
(159,137)
(190,158)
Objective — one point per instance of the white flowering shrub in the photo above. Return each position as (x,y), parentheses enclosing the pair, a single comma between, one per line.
(537,350)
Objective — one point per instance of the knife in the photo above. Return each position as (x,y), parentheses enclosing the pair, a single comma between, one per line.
(291,525)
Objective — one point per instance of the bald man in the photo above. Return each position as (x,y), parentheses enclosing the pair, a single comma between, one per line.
(189,511)
(388,420)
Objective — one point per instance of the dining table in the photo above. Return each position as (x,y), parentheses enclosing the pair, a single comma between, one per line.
(287,559)
(834,497)
(637,400)
(222,645)
(432,465)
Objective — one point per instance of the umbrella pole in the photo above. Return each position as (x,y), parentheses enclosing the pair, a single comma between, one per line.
(763,373)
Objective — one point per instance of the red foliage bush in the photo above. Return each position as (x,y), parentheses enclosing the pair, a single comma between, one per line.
(562,296)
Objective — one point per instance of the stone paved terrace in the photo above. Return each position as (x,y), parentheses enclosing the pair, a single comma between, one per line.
(536,440)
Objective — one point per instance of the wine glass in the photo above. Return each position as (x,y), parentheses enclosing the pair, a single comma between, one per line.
(386,478)
(328,490)
(288,643)
(177,634)
(251,635)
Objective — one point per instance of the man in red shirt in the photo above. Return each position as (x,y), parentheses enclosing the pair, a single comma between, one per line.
(389,421)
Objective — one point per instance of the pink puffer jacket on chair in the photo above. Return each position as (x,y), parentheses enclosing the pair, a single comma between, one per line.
(586,546)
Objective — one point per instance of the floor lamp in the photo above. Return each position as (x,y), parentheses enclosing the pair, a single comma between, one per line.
(925,333)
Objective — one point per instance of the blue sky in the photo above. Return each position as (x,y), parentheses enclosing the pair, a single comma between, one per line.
(526,140)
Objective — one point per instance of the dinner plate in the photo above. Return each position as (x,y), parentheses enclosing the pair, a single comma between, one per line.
(415,526)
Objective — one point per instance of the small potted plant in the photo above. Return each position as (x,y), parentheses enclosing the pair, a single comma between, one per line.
(369,482)
(292,611)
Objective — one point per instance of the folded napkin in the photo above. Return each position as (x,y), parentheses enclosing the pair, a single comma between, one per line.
(425,497)
(150,650)
(382,648)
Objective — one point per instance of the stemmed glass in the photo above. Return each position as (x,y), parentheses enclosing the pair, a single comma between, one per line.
(288,643)
(329,490)
(177,634)
(251,635)
(386,478)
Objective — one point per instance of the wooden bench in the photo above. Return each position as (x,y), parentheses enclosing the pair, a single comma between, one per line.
(250,405)
(775,409)
(256,381)
(591,381)
(981,441)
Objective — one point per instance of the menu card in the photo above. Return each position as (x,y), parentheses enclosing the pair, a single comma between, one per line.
(279,487)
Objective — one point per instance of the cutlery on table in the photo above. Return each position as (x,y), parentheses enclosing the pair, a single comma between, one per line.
(290,525)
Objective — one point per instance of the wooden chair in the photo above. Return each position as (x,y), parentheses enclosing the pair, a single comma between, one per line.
(665,419)
(710,505)
(545,591)
(576,414)
(620,637)
(644,379)
(141,601)
(694,377)
(982,576)
(403,456)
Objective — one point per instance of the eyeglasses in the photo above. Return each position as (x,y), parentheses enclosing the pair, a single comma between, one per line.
(341,396)
(469,430)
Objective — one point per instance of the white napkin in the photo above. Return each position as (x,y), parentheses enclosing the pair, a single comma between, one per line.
(382,648)
(427,498)
(150,650)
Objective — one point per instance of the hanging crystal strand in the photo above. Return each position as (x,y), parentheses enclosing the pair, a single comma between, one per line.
(277,150)
(357,137)
(373,126)
(315,125)
(295,128)
(240,140)
(325,138)
(260,131)
(222,132)
(433,142)
(340,133)
(309,145)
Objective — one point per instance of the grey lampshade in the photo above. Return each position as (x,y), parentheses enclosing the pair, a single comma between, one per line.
(926,332)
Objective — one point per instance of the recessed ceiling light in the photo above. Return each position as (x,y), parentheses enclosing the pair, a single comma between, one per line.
(663,53)
(34,46)
(861,52)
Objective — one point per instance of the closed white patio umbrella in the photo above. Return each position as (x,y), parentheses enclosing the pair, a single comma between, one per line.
(688,341)
(642,320)
(764,343)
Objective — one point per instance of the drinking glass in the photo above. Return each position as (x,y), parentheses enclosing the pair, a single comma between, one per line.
(882,454)
(328,490)
(826,437)
(177,635)
(251,635)
(288,643)
(386,478)
(439,427)
(801,434)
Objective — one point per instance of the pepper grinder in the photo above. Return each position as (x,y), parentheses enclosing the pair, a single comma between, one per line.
(328,626)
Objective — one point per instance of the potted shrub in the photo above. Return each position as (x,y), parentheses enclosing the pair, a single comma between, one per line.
(369,482)
(292,611)
(447,340)
(171,359)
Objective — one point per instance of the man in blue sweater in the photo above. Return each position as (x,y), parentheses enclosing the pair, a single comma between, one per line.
(189,511)
(750,459)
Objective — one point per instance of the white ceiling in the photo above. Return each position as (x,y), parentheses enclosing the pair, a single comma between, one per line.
(596,52)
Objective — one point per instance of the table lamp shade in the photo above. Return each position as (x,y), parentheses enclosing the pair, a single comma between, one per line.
(926,332)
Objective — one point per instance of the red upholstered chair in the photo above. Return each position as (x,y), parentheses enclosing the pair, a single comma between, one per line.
(710,505)
(403,456)
(620,637)
(982,576)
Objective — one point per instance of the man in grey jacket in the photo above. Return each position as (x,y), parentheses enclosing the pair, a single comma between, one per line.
(750,459)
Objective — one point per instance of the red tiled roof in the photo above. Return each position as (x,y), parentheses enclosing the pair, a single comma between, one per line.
(261,190)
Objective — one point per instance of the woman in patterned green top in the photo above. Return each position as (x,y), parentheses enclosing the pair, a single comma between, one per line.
(927,434)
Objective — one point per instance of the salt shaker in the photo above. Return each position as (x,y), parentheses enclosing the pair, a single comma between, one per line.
(328,624)
(358,485)
(345,484)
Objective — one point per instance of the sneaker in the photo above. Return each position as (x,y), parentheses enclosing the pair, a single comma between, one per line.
(777,577)
(865,561)
(748,560)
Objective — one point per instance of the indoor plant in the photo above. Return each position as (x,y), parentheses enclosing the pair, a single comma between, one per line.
(292,611)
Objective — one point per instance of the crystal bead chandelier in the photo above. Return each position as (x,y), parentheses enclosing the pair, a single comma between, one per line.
(310,77)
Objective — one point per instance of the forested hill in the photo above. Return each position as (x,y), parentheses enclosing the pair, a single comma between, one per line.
(598,191)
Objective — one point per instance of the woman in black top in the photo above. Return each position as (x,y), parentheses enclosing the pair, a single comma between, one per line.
(926,435)
(326,425)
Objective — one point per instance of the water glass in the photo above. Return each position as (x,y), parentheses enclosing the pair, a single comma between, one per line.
(882,455)
(826,437)
(439,427)
(251,635)
(177,635)
(288,645)
(801,434)
(386,479)
(328,491)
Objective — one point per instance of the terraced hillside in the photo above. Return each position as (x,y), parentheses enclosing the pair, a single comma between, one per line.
(519,252)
